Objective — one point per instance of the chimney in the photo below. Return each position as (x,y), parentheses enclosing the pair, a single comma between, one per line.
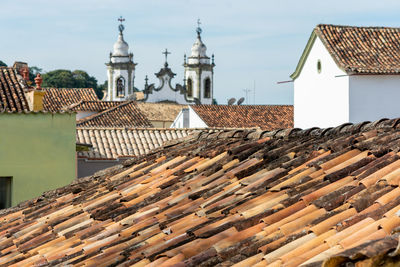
(35,95)
(22,69)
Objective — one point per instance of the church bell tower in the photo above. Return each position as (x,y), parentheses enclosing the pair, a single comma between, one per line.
(199,72)
(120,69)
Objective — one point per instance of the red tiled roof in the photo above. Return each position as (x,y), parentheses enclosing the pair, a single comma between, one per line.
(12,96)
(250,198)
(160,111)
(94,105)
(124,115)
(111,143)
(57,99)
(373,50)
(267,117)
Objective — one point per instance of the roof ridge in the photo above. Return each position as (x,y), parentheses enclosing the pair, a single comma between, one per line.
(136,111)
(358,27)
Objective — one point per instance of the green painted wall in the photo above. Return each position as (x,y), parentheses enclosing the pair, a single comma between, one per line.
(38,151)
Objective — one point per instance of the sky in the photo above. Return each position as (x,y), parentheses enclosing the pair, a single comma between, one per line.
(256,43)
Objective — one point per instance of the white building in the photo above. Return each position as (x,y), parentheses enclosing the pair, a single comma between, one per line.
(347,74)
(120,70)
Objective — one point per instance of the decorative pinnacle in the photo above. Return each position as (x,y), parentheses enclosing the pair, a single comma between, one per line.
(146,80)
(198,29)
(121,26)
(166,53)
(38,81)
(184,59)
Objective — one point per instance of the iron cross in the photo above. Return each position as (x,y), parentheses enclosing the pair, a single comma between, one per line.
(121,19)
(166,53)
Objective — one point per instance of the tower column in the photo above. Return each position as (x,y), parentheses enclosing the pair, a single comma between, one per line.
(121,69)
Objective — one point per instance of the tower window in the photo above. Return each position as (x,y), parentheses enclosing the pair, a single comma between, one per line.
(5,192)
(120,87)
(207,88)
(189,88)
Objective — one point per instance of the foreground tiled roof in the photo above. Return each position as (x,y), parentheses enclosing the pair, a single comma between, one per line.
(249,198)
(57,99)
(94,105)
(111,143)
(267,117)
(12,96)
(124,115)
(160,111)
(374,50)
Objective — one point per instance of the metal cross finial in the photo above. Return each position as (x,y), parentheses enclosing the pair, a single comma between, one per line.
(121,26)
(166,53)
(198,29)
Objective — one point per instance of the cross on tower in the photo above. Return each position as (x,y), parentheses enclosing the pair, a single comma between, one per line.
(198,29)
(166,53)
(121,26)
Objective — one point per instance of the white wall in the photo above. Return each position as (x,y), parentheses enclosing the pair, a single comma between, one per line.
(373,97)
(320,99)
(194,120)
(166,93)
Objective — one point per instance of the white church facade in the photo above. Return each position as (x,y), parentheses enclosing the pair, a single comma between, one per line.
(197,88)
(347,74)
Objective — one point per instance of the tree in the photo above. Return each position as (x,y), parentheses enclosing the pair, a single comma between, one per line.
(71,79)
(2,64)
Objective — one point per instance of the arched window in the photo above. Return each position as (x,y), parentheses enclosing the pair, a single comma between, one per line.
(120,87)
(189,88)
(207,88)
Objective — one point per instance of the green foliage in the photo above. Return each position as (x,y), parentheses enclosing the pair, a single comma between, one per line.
(71,79)
(2,64)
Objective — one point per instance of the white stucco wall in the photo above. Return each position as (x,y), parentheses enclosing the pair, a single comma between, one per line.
(198,89)
(192,74)
(320,99)
(373,97)
(166,93)
(194,120)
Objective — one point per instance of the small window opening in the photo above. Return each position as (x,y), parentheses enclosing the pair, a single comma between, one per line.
(5,192)
(189,88)
(120,87)
(207,88)
(319,67)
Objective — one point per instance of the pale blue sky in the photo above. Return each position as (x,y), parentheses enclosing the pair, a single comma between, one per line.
(257,41)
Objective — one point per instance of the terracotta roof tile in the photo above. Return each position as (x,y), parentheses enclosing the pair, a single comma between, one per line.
(12,95)
(56,99)
(219,198)
(160,111)
(92,105)
(266,117)
(111,143)
(124,115)
(371,50)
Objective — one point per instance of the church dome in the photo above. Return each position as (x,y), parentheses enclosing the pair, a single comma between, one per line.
(121,48)
(199,48)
